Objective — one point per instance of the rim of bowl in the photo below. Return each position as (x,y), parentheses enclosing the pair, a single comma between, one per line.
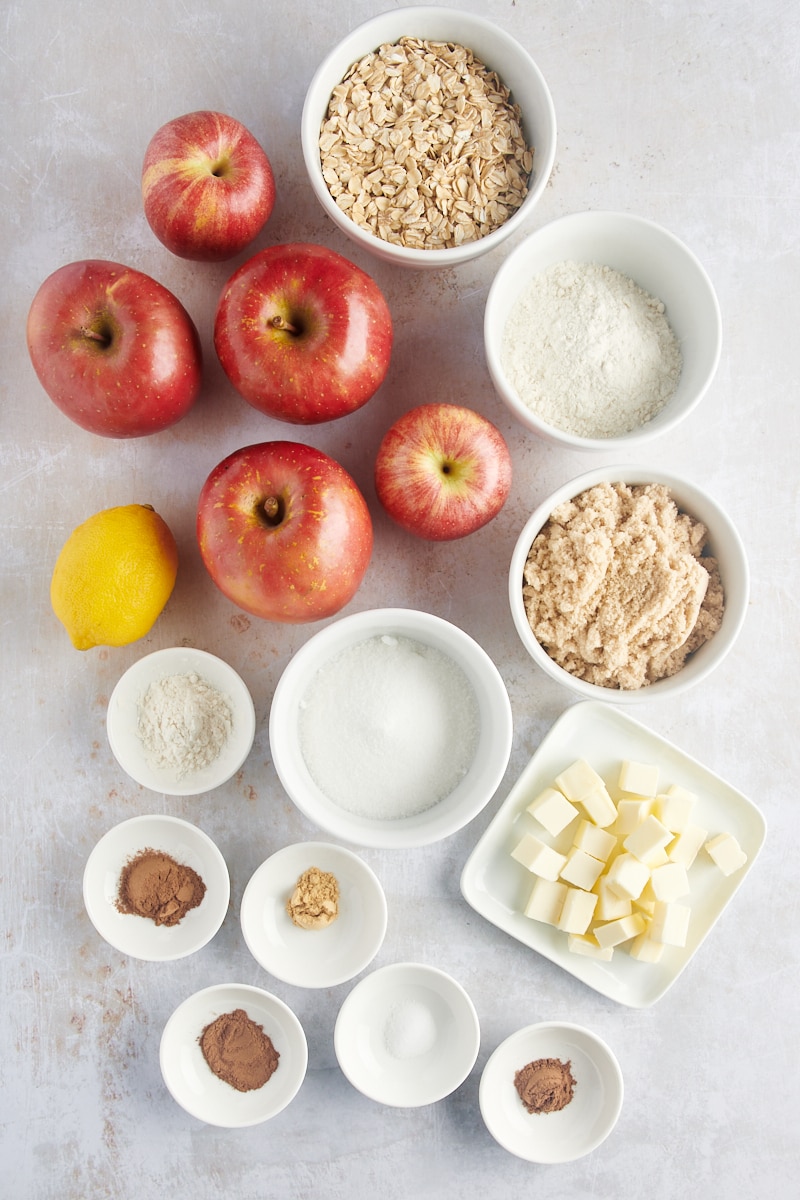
(502,287)
(393,24)
(447,816)
(736,583)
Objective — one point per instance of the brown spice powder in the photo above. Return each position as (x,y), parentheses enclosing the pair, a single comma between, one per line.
(154,885)
(545,1085)
(314,903)
(238,1051)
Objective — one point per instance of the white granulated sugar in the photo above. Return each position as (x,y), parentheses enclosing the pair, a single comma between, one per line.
(184,723)
(410,1030)
(389,727)
(590,352)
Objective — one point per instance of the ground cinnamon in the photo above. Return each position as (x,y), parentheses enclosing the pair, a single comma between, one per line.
(238,1051)
(545,1085)
(154,885)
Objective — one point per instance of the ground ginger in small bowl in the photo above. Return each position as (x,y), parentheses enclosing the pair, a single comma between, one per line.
(627,584)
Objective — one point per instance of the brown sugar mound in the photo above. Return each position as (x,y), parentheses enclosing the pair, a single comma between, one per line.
(616,588)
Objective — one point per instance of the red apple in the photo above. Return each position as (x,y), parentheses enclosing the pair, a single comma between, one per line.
(303,334)
(207,186)
(442,471)
(284,531)
(114,349)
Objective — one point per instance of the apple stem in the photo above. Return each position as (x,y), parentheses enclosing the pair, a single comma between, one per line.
(273,510)
(279,322)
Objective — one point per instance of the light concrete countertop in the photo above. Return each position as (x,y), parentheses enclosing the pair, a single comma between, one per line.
(687,114)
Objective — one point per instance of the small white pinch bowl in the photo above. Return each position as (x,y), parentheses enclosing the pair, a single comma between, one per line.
(724,544)
(498,51)
(654,259)
(474,790)
(446,1047)
(194,1086)
(579,1127)
(123,716)
(139,937)
(314,958)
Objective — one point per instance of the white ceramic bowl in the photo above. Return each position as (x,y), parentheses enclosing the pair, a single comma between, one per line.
(314,958)
(138,936)
(407,1035)
(576,1129)
(659,263)
(724,544)
(123,717)
(473,791)
(498,51)
(193,1084)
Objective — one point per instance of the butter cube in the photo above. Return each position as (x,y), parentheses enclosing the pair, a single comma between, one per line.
(674,808)
(640,779)
(586,945)
(599,807)
(553,810)
(609,904)
(669,882)
(726,853)
(658,858)
(645,904)
(581,869)
(578,781)
(670,923)
(645,949)
(630,814)
(647,838)
(577,911)
(546,901)
(597,842)
(684,848)
(614,933)
(626,876)
(538,857)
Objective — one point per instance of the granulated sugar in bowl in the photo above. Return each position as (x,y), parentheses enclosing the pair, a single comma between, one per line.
(391,728)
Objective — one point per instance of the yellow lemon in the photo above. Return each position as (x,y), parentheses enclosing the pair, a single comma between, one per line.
(113,576)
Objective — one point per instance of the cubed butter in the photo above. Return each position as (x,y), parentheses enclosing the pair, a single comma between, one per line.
(599,807)
(578,780)
(609,904)
(538,857)
(670,923)
(669,882)
(552,810)
(614,933)
(581,869)
(684,848)
(640,779)
(546,901)
(657,858)
(645,949)
(726,853)
(626,876)
(674,808)
(647,838)
(630,814)
(577,911)
(597,842)
(585,944)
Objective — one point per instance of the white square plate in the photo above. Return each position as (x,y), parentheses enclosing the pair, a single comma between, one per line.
(497,887)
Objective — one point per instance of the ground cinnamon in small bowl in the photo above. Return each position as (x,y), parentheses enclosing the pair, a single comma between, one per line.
(545,1085)
(154,885)
(238,1051)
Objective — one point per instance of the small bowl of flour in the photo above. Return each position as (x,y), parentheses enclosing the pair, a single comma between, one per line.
(181,721)
(602,330)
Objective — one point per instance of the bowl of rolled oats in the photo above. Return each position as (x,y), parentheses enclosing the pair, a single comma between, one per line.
(429,135)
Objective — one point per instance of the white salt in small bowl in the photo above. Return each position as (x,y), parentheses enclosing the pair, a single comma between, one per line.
(654,259)
(724,544)
(140,937)
(393,829)
(571,1132)
(407,1035)
(122,721)
(194,1086)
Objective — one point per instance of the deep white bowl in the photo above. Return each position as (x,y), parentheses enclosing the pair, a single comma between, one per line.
(498,51)
(659,263)
(138,936)
(575,1130)
(407,1035)
(123,718)
(724,543)
(314,958)
(474,790)
(193,1084)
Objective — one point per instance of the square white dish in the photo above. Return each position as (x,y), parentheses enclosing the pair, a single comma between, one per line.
(497,887)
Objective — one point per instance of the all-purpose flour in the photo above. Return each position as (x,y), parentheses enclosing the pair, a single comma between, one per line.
(184,723)
(589,351)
